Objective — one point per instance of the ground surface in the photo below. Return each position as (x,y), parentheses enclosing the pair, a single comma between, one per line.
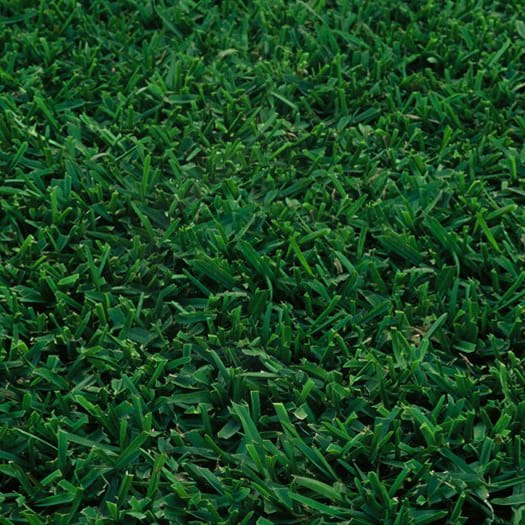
(262,262)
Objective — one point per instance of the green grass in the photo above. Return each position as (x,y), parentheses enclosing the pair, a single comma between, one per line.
(262,262)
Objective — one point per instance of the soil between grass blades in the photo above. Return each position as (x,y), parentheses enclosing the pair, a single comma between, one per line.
(262,262)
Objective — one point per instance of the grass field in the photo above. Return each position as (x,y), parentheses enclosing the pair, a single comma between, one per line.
(262,262)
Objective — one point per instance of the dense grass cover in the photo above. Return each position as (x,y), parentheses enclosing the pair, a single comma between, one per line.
(262,262)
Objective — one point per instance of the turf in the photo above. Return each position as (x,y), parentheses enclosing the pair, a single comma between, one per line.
(262,262)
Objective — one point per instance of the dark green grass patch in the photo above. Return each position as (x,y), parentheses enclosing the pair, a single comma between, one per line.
(262,262)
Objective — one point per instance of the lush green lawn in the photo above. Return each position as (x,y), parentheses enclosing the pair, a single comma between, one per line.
(262,262)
